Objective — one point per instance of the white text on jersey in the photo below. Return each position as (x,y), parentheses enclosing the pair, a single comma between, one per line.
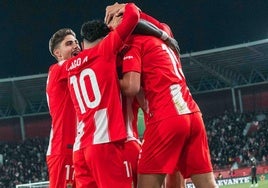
(77,62)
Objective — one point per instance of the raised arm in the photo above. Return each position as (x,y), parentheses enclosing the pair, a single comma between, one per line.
(130,19)
(146,26)
(169,40)
(155,22)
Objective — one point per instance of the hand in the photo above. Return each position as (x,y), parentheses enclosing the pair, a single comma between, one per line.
(173,44)
(114,10)
(115,22)
(142,101)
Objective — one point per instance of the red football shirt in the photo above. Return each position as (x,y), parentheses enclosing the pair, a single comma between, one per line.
(94,87)
(62,111)
(162,78)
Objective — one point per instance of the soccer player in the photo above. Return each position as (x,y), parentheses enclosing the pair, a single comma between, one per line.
(132,102)
(175,137)
(62,45)
(99,158)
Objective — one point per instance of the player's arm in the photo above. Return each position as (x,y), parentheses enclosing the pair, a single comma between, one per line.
(130,83)
(113,12)
(146,26)
(154,21)
(130,19)
(170,41)
(131,68)
(140,97)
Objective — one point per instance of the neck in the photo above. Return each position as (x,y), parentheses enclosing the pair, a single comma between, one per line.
(92,44)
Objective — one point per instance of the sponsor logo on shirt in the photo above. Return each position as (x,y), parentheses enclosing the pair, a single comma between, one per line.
(128,57)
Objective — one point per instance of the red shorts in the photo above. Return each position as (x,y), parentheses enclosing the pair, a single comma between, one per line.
(60,169)
(102,166)
(132,149)
(177,143)
(83,174)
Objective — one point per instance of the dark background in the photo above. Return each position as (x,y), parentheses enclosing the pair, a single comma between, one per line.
(27,25)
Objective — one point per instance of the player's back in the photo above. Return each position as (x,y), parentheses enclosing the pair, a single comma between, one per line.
(94,87)
(162,79)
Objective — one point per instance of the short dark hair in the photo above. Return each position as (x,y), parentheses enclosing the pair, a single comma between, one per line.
(58,37)
(93,30)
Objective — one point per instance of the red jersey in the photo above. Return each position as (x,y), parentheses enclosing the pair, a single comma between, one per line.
(61,109)
(161,78)
(94,87)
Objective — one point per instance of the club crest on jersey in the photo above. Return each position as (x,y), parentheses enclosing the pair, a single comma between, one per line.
(77,62)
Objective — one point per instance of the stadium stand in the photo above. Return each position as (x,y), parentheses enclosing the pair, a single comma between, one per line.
(23,162)
(230,142)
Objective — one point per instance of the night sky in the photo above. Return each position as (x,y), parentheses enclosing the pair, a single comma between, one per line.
(27,25)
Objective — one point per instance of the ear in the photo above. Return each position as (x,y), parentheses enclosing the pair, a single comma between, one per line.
(57,53)
(82,45)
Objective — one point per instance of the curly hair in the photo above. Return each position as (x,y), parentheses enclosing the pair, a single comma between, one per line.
(93,30)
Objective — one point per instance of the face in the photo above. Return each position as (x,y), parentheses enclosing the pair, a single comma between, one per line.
(68,48)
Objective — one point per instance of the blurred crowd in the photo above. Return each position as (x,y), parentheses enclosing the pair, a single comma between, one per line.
(231,144)
(234,137)
(23,162)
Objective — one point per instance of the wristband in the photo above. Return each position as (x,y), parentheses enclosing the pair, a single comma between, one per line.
(164,36)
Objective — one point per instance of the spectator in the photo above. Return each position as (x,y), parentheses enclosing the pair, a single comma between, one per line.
(23,162)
